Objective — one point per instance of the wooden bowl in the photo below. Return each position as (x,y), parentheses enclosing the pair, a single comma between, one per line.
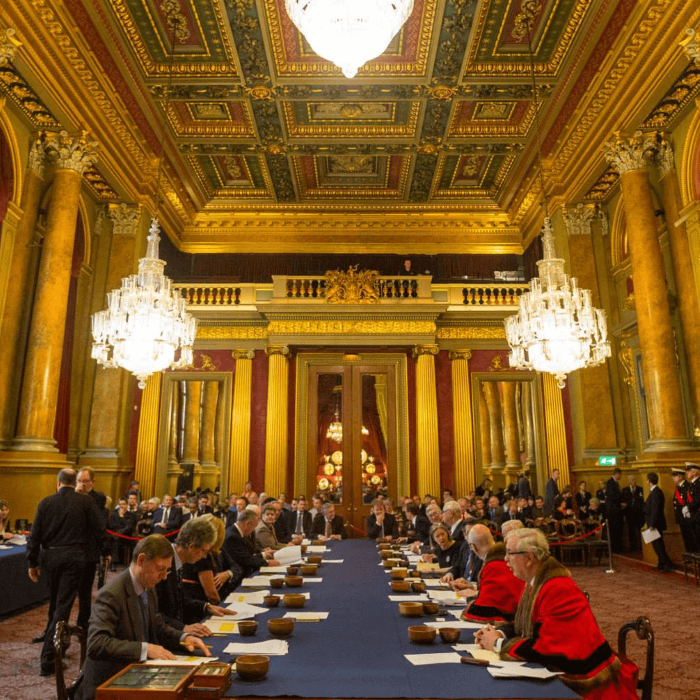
(252,667)
(304,548)
(392,562)
(292,570)
(247,628)
(314,559)
(318,543)
(400,586)
(449,635)
(431,608)
(411,609)
(414,573)
(418,586)
(276,582)
(280,626)
(386,554)
(399,573)
(272,601)
(309,569)
(293,581)
(422,634)
(383,546)
(293,600)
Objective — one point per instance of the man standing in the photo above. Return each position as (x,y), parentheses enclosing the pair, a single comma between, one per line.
(551,492)
(656,519)
(613,504)
(524,490)
(63,526)
(680,494)
(691,509)
(126,626)
(633,511)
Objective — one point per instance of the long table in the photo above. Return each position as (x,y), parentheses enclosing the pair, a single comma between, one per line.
(358,652)
(17,589)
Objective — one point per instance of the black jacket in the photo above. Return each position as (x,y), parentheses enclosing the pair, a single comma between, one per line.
(337,526)
(420,530)
(240,550)
(391,527)
(307,523)
(654,515)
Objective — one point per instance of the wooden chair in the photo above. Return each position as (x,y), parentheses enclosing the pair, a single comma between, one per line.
(61,642)
(642,626)
(691,560)
(567,531)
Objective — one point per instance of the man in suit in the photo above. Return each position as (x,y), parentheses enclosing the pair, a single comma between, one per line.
(613,506)
(121,523)
(240,548)
(494,512)
(452,517)
(327,525)
(204,504)
(524,490)
(417,525)
(655,518)
(680,494)
(167,518)
(63,527)
(632,497)
(691,509)
(126,626)
(381,524)
(299,521)
(551,491)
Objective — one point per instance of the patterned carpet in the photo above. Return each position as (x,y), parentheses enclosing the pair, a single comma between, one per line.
(633,590)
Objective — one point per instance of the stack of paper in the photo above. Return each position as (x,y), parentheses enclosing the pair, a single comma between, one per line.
(317,549)
(257,581)
(254,598)
(273,569)
(307,616)
(458,624)
(181,661)
(518,669)
(289,556)
(478,653)
(272,647)
(244,611)
(333,561)
(18,539)
(422,597)
(447,657)
(446,597)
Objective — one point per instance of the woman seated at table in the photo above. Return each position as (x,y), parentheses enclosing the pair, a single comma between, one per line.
(265,530)
(554,625)
(447,552)
(5,530)
(498,590)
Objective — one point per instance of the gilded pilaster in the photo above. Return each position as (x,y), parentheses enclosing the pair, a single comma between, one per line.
(276,429)
(555,429)
(207,442)
(510,428)
(529,426)
(15,311)
(427,445)
(495,413)
(659,365)
(174,427)
(220,433)
(240,421)
(465,476)
(484,432)
(147,445)
(190,441)
(37,412)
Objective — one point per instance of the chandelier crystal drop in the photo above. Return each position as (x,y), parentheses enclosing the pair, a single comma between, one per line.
(557,329)
(145,322)
(349,32)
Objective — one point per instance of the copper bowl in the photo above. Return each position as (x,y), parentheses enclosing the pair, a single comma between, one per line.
(292,570)
(386,554)
(418,586)
(431,608)
(304,547)
(294,600)
(383,546)
(422,634)
(389,563)
(318,543)
(309,569)
(396,547)
(276,582)
(314,559)
(414,573)
(411,609)
(272,601)
(252,667)
(247,628)
(450,635)
(400,586)
(293,581)
(399,573)
(281,626)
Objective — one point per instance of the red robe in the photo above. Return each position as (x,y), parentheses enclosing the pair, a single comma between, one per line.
(554,626)
(499,591)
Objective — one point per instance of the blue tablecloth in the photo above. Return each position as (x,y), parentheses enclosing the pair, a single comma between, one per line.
(358,652)
(17,589)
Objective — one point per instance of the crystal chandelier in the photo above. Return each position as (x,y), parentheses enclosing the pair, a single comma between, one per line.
(145,321)
(335,431)
(349,32)
(557,329)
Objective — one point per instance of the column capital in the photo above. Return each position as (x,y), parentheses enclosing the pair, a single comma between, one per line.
(663,156)
(277,350)
(626,153)
(71,152)
(691,45)
(460,354)
(419,350)
(125,218)
(8,46)
(243,354)
(578,219)
(37,157)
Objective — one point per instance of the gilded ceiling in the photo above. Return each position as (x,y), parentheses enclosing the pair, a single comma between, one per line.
(443,123)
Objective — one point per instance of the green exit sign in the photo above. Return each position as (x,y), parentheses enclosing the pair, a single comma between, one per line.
(607,461)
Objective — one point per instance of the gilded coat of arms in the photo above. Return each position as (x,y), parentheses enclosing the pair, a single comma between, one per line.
(352,287)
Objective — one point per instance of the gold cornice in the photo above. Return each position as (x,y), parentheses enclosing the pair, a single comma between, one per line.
(470,332)
(231,332)
(351,327)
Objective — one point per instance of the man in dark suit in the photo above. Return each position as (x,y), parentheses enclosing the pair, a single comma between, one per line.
(524,490)
(121,523)
(452,517)
(632,497)
(380,523)
(680,494)
(167,518)
(327,525)
(299,521)
(551,491)
(204,504)
(126,626)
(494,512)
(691,509)
(655,518)
(63,526)
(613,507)
(417,525)
(240,548)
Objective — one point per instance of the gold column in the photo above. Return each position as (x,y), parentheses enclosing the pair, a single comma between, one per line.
(219,434)
(240,421)
(147,445)
(510,424)
(682,260)
(465,476)
(193,403)
(276,429)
(15,314)
(484,431)
(174,426)
(659,366)
(37,411)
(206,443)
(555,430)
(427,445)
(530,452)
(493,403)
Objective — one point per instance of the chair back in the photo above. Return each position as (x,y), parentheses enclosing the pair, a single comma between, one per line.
(642,626)
(61,640)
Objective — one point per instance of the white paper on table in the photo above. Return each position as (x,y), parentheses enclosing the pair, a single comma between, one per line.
(244,609)
(288,556)
(313,579)
(257,581)
(4,546)
(484,654)
(419,597)
(220,625)
(273,569)
(447,597)
(307,616)
(18,539)
(254,598)
(414,558)
(447,657)
(272,647)
(458,624)
(306,542)
(333,561)
(510,669)
(181,661)
(317,549)
(648,535)
(435,583)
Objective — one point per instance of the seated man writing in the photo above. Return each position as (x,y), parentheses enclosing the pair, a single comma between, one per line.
(554,625)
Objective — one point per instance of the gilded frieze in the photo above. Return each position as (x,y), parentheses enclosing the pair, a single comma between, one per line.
(470,332)
(26,100)
(213,332)
(350,327)
(675,100)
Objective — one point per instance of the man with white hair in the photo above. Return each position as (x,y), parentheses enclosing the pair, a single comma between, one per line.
(452,517)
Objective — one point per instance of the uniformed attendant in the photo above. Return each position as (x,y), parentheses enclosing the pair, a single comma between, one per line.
(679,496)
(691,509)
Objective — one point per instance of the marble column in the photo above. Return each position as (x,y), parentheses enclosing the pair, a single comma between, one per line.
(495,412)
(220,432)
(145,467)
(208,430)
(193,404)
(484,431)
(682,260)
(465,477)
(276,430)
(529,426)
(174,427)
(239,462)
(42,367)
(510,425)
(427,445)
(16,309)
(659,365)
